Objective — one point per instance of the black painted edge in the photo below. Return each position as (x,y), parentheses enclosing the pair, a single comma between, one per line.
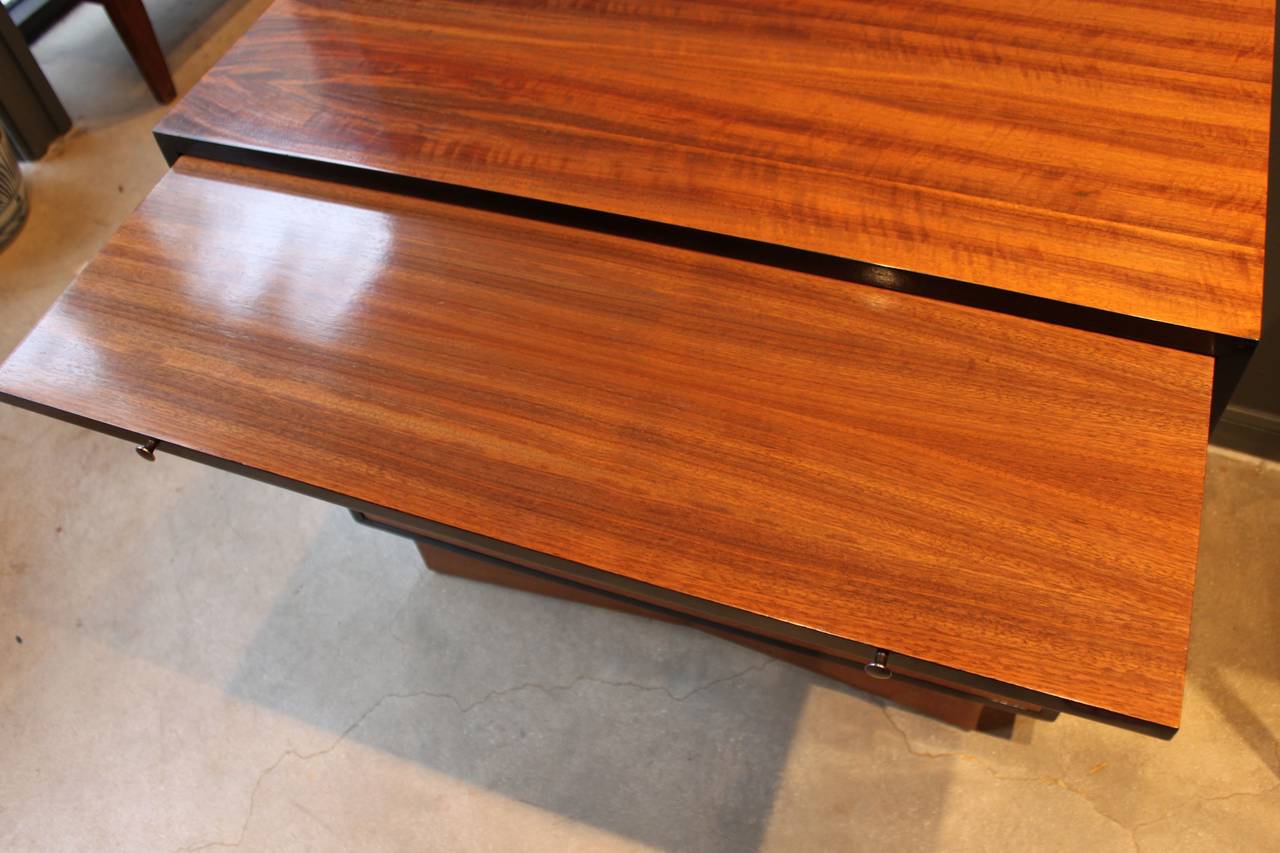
(617,584)
(1231,357)
(984,297)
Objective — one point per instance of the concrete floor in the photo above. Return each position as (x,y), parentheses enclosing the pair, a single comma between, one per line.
(206,662)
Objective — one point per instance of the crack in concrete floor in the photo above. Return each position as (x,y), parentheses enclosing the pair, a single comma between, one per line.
(462,709)
(986,766)
(1130,829)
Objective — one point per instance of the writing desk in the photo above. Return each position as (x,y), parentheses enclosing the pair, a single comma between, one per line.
(862,336)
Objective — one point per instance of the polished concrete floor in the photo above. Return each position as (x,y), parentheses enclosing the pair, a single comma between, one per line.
(206,662)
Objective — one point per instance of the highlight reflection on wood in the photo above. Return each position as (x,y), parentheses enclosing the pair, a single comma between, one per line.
(1111,154)
(991,493)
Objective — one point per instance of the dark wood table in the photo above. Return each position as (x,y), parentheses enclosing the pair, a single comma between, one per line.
(871,336)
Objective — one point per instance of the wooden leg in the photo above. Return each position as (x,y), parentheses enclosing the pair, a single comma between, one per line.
(951,709)
(131,22)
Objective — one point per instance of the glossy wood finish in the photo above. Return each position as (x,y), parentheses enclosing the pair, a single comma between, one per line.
(962,713)
(1110,154)
(991,493)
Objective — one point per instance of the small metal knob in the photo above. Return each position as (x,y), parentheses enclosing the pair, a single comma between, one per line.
(147,450)
(879,666)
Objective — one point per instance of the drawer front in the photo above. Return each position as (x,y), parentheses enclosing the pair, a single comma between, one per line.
(991,493)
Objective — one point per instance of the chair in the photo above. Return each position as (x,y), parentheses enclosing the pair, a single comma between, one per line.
(130,19)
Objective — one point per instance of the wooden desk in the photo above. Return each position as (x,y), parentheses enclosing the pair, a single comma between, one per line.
(374,292)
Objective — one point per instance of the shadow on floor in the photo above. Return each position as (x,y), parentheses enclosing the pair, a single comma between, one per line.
(657,733)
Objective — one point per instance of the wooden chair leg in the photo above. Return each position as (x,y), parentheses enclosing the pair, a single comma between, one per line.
(134,26)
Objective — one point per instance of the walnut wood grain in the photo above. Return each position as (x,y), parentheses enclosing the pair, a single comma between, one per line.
(988,492)
(1110,154)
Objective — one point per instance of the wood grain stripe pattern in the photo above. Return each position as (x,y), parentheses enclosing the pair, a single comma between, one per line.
(992,493)
(1109,154)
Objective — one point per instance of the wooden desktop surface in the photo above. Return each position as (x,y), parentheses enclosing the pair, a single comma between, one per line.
(1110,154)
(988,492)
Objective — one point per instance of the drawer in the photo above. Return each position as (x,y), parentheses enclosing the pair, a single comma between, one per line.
(970,490)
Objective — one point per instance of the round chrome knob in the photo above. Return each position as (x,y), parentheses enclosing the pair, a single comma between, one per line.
(878,667)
